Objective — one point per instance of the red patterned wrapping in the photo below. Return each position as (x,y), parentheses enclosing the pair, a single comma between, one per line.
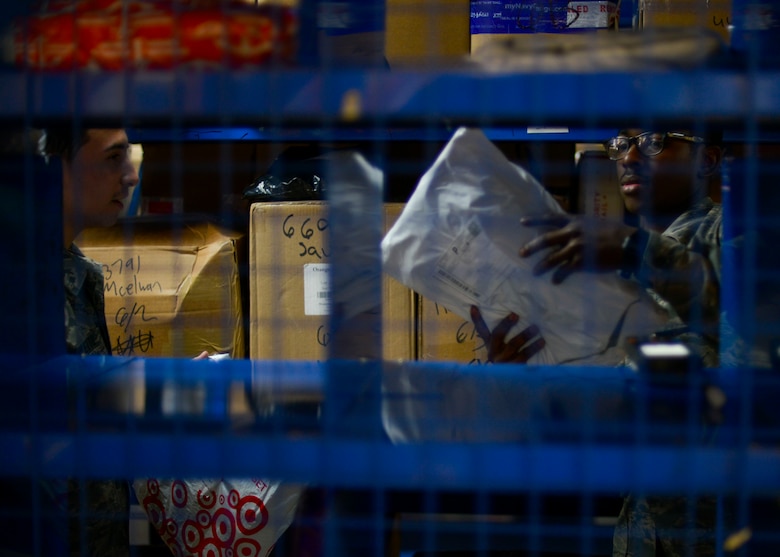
(155,34)
(218,518)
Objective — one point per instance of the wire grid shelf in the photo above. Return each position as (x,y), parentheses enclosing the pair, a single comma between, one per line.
(535,462)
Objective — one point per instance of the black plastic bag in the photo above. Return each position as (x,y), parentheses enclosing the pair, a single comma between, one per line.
(295,175)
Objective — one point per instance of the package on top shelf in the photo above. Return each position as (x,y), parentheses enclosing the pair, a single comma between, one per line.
(427,33)
(714,15)
(157,34)
(171,288)
(662,48)
(527,20)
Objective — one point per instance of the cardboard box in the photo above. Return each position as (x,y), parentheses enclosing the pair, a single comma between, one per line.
(398,305)
(171,288)
(599,191)
(289,258)
(427,33)
(444,336)
(706,14)
(491,21)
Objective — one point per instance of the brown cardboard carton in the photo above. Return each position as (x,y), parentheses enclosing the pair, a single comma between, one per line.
(599,192)
(289,254)
(426,33)
(171,288)
(446,336)
(706,14)
(397,306)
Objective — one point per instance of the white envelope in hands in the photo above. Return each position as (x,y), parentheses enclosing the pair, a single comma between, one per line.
(457,243)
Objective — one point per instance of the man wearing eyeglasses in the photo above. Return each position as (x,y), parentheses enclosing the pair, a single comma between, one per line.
(674,248)
(672,227)
(670,242)
(670,239)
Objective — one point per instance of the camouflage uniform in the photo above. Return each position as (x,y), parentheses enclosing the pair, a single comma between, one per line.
(650,526)
(85,319)
(690,289)
(98,510)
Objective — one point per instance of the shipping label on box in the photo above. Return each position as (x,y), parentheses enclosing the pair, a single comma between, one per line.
(171,290)
(290,289)
(706,14)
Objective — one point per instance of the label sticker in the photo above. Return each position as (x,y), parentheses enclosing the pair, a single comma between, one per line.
(551,16)
(472,264)
(590,15)
(492,17)
(545,129)
(316,289)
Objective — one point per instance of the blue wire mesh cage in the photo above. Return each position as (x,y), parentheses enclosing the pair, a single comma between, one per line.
(342,412)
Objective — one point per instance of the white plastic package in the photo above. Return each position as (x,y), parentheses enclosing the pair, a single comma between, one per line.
(443,402)
(200,517)
(457,243)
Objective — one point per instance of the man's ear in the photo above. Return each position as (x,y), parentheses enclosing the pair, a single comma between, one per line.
(710,160)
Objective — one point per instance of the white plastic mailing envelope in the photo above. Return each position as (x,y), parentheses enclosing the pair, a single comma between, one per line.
(457,243)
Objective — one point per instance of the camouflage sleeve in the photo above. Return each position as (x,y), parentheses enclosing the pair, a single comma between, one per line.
(673,526)
(99,518)
(634,534)
(687,276)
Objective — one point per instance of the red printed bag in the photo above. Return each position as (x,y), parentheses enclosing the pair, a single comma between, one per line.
(218,518)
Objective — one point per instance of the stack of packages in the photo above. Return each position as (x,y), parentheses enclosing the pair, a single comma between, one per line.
(155,34)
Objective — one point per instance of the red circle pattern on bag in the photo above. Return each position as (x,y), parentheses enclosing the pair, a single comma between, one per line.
(155,34)
(222,525)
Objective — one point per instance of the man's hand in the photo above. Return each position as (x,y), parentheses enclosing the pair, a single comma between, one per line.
(576,244)
(518,350)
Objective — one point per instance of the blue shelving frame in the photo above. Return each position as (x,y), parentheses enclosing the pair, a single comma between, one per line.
(567,451)
(306,98)
(309,103)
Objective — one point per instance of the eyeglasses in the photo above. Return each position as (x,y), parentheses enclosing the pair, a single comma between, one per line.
(649,144)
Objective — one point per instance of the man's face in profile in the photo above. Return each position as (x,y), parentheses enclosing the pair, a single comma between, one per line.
(98,178)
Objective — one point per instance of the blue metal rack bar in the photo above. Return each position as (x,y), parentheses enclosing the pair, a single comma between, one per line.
(386,98)
(128,436)
(241,133)
(554,468)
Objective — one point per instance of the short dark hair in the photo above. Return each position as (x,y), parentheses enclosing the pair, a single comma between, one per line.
(712,135)
(19,141)
(62,141)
